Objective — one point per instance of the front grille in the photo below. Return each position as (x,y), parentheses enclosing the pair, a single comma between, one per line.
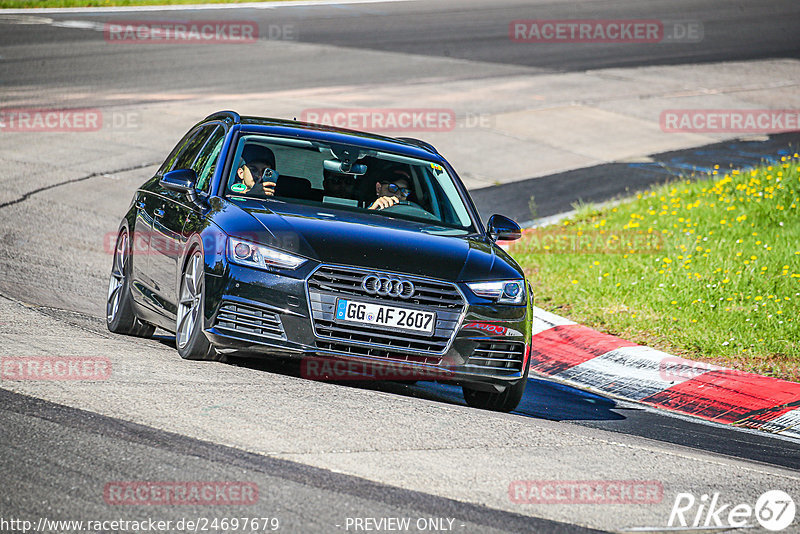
(347,280)
(247,319)
(330,282)
(506,355)
(362,350)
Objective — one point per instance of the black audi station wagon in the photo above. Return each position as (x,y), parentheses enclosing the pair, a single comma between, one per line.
(282,238)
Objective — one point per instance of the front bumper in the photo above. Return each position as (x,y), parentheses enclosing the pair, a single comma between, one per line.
(273,313)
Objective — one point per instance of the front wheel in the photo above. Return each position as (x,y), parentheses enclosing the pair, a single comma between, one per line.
(190,341)
(506,401)
(120,317)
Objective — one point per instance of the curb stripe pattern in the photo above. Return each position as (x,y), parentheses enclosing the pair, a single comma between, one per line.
(566,346)
(586,358)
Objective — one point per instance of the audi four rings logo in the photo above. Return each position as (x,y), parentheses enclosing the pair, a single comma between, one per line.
(383,286)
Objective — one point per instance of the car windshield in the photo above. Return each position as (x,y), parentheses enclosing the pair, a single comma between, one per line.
(350,178)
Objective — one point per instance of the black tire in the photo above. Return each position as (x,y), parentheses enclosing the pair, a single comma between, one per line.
(120,317)
(191,342)
(506,401)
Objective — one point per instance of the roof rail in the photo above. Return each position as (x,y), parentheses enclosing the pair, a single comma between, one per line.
(225,115)
(421,144)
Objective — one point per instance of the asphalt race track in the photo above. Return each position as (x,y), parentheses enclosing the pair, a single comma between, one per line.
(324,454)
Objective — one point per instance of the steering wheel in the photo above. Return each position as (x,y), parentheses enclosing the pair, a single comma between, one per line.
(406,207)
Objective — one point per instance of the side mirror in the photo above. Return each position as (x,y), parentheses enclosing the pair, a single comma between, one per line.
(182,181)
(179,180)
(502,228)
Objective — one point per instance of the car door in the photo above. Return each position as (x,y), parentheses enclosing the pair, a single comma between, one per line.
(140,245)
(146,201)
(170,211)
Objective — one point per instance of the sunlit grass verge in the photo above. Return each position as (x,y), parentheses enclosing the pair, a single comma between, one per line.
(706,269)
(17,4)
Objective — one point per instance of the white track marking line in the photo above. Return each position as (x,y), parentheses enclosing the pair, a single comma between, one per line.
(194,7)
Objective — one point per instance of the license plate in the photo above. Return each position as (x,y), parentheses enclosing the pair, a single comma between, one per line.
(350,311)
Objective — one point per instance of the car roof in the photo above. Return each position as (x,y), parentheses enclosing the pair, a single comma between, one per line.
(319,132)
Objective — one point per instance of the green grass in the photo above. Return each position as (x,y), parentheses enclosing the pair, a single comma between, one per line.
(8,4)
(715,277)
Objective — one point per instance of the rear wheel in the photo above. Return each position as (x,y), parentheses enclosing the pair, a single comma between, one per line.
(506,401)
(120,317)
(190,341)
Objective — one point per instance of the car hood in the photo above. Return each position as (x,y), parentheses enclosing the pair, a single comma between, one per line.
(373,242)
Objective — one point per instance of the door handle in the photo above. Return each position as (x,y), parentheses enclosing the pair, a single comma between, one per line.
(159,212)
(140,204)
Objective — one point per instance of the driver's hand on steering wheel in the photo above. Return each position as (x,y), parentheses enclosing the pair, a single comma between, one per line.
(384,202)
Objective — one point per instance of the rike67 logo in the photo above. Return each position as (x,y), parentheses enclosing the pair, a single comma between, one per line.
(774,510)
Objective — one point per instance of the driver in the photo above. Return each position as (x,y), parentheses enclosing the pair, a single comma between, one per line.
(255,161)
(393,191)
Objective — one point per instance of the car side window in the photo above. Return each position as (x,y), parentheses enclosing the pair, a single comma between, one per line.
(170,161)
(190,150)
(206,162)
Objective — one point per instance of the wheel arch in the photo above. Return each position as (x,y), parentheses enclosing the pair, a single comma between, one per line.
(211,242)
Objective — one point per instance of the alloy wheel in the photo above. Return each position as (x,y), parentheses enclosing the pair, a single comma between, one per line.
(117,280)
(189,302)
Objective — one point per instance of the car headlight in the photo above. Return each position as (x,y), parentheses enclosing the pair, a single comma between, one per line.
(263,257)
(502,291)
